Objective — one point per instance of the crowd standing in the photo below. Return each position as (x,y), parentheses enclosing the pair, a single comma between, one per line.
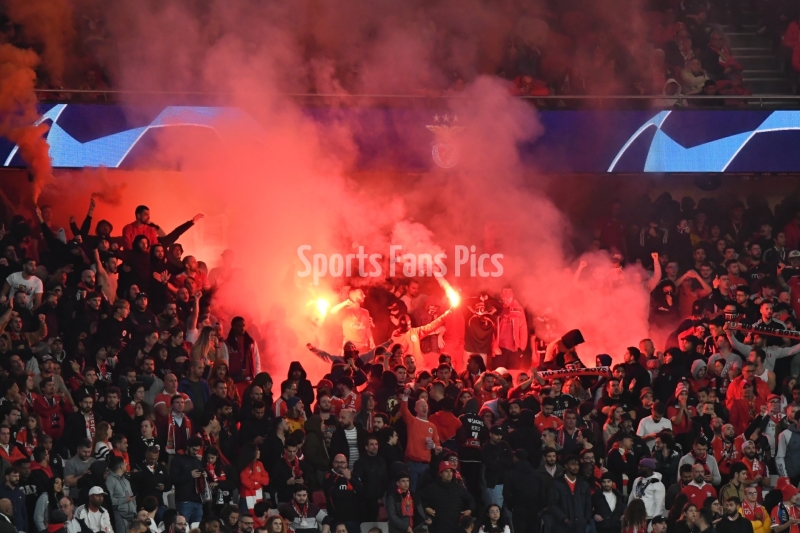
(130,401)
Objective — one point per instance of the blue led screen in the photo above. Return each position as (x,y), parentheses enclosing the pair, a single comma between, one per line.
(573,141)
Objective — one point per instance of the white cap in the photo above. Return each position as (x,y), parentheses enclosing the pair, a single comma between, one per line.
(500,371)
(96,490)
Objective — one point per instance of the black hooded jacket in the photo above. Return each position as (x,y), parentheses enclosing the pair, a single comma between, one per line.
(304,389)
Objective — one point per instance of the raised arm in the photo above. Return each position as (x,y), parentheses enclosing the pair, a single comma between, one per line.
(654,280)
(174,235)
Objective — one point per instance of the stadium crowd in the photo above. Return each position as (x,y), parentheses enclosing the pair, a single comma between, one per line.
(668,49)
(131,402)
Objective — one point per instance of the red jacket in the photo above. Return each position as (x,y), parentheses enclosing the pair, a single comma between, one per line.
(740,413)
(446,424)
(52,416)
(251,482)
(736,390)
(13,454)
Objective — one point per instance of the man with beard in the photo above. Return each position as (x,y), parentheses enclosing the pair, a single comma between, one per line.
(699,455)
(732,521)
(676,488)
(80,425)
(371,470)
(10,490)
(219,397)
(698,490)
(168,318)
(445,501)
(343,492)
(614,396)
(757,472)
(87,316)
(112,413)
(649,488)
(773,353)
(228,432)
(569,506)
(256,427)
(301,515)
(512,421)
(143,319)
(607,506)
(724,449)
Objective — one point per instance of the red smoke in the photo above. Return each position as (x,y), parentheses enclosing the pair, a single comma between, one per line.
(296,184)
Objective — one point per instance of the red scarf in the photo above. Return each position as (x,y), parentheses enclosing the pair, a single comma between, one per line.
(294,466)
(756,512)
(211,441)
(187,425)
(212,474)
(302,512)
(90,426)
(407,506)
(52,528)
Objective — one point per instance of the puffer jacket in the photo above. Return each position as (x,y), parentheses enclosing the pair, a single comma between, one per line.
(119,488)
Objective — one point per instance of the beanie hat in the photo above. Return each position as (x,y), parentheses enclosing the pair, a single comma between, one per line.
(292,402)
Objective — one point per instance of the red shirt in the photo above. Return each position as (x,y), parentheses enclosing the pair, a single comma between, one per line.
(685,425)
(419,431)
(543,422)
(698,494)
(794,512)
(446,423)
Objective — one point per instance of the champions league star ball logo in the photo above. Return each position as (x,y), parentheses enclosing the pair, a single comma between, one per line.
(444,151)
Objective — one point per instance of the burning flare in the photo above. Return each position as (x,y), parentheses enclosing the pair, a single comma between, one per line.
(451,293)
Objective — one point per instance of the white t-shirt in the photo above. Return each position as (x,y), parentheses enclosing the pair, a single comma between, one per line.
(28,286)
(647,426)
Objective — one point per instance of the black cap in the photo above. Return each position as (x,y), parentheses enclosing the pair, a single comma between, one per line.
(497,429)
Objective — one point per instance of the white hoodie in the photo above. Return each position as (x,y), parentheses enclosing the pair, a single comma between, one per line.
(654,495)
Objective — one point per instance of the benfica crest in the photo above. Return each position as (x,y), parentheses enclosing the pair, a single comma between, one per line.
(444,150)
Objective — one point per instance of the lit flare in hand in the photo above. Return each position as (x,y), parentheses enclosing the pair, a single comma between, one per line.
(449,291)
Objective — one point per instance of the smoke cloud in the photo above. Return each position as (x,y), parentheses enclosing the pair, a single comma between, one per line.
(295,184)
(18,113)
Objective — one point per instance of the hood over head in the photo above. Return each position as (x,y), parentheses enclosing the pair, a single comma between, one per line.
(296,365)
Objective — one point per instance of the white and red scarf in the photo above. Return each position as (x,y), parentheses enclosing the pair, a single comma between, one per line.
(90,426)
(172,427)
